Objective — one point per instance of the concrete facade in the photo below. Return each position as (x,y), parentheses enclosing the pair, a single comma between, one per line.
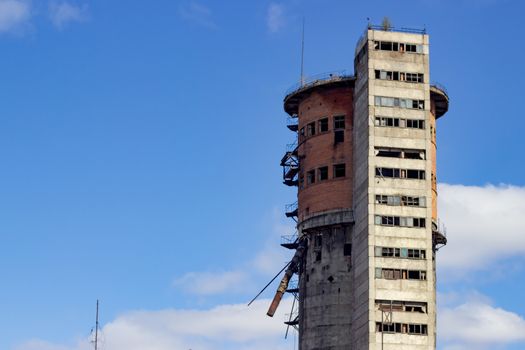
(367,199)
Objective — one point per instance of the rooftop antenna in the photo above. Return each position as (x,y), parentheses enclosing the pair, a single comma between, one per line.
(96,329)
(302,56)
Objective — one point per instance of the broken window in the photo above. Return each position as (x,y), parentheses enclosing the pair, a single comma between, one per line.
(414,329)
(310,177)
(402,221)
(399,76)
(387,152)
(323,125)
(381,199)
(339,170)
(401,306)
(399,102)
(323,173)
(398,122)
(311,129)
(400,153)
(400,173)
(414,154)
(395,274)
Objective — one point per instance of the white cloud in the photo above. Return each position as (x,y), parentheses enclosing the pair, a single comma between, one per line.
(13,14)
(40,345)
(225,327)
(484,225)
(208,283)
(265,264)
(275,17)
(197,13)
(477,324)
(62,13)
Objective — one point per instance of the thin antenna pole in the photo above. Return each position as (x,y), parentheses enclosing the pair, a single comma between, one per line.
(302,56)
(96,330)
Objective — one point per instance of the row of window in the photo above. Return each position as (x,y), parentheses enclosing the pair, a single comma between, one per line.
(398,200)
(322,125)
(321,174)
(384,101)
(400,47)
(400,274)
(400,153)
(403,328)
(400,122)
(401,221)
(405,253)
(400,173)
(399,76)
(402,306)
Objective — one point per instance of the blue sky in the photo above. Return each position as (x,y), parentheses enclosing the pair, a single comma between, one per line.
(140,143)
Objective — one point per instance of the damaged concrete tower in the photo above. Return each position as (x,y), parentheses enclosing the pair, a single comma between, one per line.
(367,227)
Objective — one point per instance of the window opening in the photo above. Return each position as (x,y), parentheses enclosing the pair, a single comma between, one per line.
(339,170)
(311,129)
(339,122)
(323,173)
(323,125)
(310,177)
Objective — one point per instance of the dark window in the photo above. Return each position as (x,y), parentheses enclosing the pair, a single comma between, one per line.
(391,153)
(339,122)
(387,46)
(415,124)
(318,243)
(323,125)
(347,249)
(381,199)
(323,173)
(386,172)
(415,174)
(311,129)
(339,136)
(339,170)
(414,154)
(310,177)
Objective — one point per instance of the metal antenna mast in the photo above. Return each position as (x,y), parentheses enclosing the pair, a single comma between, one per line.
(302,56)
(96,329)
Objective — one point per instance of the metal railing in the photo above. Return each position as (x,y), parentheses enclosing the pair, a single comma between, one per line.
(440,87)
(318,79)
(397,29)
(291,207)
(289,239)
